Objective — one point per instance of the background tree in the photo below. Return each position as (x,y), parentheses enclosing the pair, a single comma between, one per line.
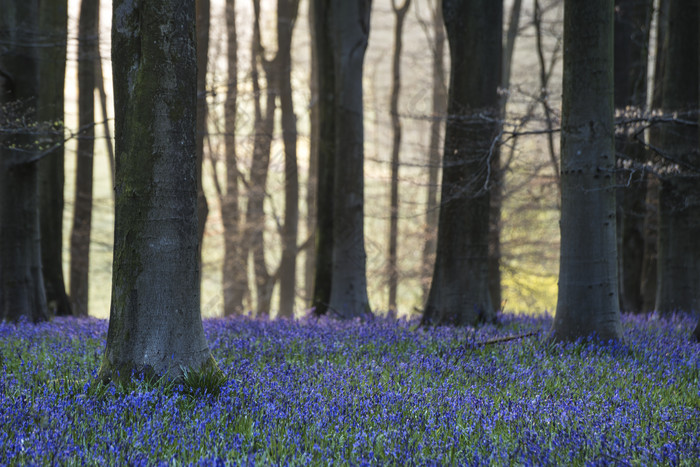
(588,292)
(287,11)
(312,177)
(350,26)
(678,274)
(88,42)
(21,282)
(202,25)
(326,157)
(459,292)
(53,19)
(400,13)
(632,24)
(155,325)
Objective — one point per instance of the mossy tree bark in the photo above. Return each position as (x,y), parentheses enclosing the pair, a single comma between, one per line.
(439,97)
(326,156)
(88,41)
(155,325)
(202,25)
(678,270)
(400,14)
(21,281)
(234,274)
(53,21)
(588,290)
(632,24)
(459,293)
(287,11)
(350,33)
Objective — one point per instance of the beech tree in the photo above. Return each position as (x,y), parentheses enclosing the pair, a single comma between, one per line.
(53,24)
(678,273)
(350,33)
(21,281)
(459,293)
(155,326)
(588,289)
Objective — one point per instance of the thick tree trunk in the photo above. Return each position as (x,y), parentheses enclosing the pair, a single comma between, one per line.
(326,157)
(632,23)
(439,110)
(312,177)
(202,26)
(349,281)
(88,41)
(53,19)
(678,284)
(287,11)
(155,325)
(21,282)
(459,293)
(235,273)
(400,14)
(588,291)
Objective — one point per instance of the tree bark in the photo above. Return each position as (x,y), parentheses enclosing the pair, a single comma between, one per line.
(155,326)
(326,157)
(312,177)
(202,27)
(349,281)
(632,24)
(588,291)
(678,273)
(235,272)
(88,41)
(21,282)
(439,110)
(53,19)
(459,293)
(287,11)
(400,13)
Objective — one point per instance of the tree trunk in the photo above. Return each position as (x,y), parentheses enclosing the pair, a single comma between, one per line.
(588,292)
(459,293)
(202,27)
(632,23)
(678,284)
(235,272)
(287,11)
(255,213)
(312,177)
(88,41)
(155,326)
(326,76)
(53,19)
(396,127)
(439,111)
(21,282)
(349,281)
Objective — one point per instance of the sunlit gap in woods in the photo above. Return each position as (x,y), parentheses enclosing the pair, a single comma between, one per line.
(530,231)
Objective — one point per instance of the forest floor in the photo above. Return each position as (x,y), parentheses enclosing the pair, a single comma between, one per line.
(361,393)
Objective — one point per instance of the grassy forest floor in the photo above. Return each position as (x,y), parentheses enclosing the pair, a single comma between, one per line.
(361,393)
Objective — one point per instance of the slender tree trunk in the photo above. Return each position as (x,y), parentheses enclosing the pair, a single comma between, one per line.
(439,111)
(678,285)
(459,293)
(349,287)
(400,13)
(312,177)
(326,157)
(88,41)
(632,23)
(235,273)
(588,301)
(21,282)
(287,11)
(155,326)
(202,26)
(53,19)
